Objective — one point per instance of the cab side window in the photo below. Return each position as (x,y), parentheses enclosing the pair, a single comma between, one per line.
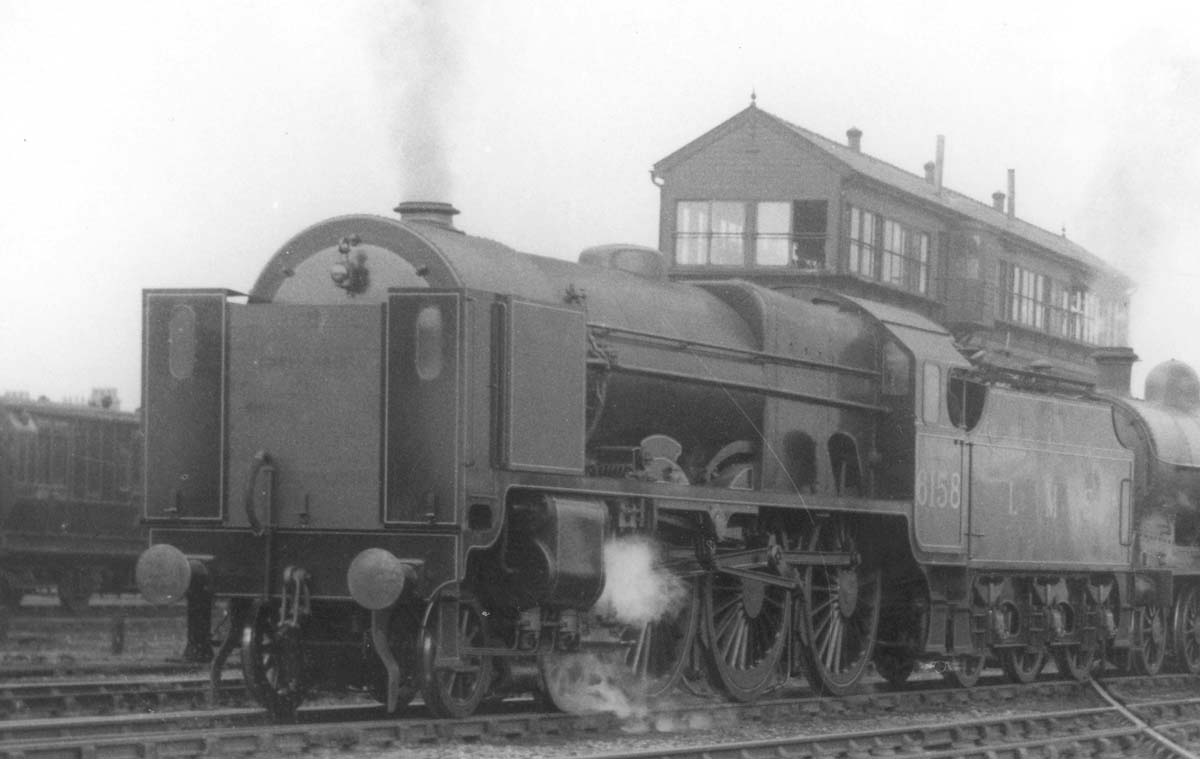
(964,400)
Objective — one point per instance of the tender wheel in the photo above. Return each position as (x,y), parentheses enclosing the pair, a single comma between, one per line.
(1022,665)
(273,662)
(840,614)
(965,671)
(745,632)
(1075,661)
(1150,628)
(1187,630)
(456,691)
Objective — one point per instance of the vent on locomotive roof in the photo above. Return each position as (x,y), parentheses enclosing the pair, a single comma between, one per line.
(634,259)
(428,212)
(1175,384)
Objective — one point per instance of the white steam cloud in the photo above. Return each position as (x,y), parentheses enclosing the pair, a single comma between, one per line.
(417,67)
(637,590)
(589,683)
(1145,190)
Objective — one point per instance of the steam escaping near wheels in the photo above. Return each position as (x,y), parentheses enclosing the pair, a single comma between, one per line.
(640,601)
(593,683)
(638,590)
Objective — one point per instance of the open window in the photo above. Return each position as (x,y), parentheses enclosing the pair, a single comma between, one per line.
(964,400)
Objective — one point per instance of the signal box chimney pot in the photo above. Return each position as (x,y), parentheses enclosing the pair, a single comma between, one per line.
(854,139)
(1115,369)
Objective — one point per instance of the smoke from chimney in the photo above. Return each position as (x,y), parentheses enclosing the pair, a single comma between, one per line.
(417,66)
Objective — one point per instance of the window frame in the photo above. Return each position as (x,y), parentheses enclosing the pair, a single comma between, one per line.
(1042,303)
(886,250)
(699,239)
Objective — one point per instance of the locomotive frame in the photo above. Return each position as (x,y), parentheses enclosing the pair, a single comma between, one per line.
(407,448)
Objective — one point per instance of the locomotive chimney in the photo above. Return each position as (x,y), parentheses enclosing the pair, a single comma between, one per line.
(998,200)
(428,212)
(854,139)
(1115,367)
(930,166)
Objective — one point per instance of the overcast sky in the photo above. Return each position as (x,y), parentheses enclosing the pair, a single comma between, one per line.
(171,144)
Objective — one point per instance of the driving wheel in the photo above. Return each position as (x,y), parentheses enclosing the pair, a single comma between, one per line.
(745,632)
(840,614)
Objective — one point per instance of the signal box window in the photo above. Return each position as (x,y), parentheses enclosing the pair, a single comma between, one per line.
(772,244)
(964,401)
(791,234)
(884,250)
(775,233)
(809,221)
(710,232)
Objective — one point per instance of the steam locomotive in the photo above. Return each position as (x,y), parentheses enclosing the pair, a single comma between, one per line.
(412,460)
(69,484)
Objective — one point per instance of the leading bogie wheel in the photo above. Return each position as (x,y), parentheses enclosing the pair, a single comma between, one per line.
(658,651)
(839,619)
(456,690)
(647,662)
(273,661)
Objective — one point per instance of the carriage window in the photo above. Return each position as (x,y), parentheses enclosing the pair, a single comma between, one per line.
(931,408)
(964,401)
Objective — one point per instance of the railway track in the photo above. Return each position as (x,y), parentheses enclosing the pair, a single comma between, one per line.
(1129,717)
(52,698)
